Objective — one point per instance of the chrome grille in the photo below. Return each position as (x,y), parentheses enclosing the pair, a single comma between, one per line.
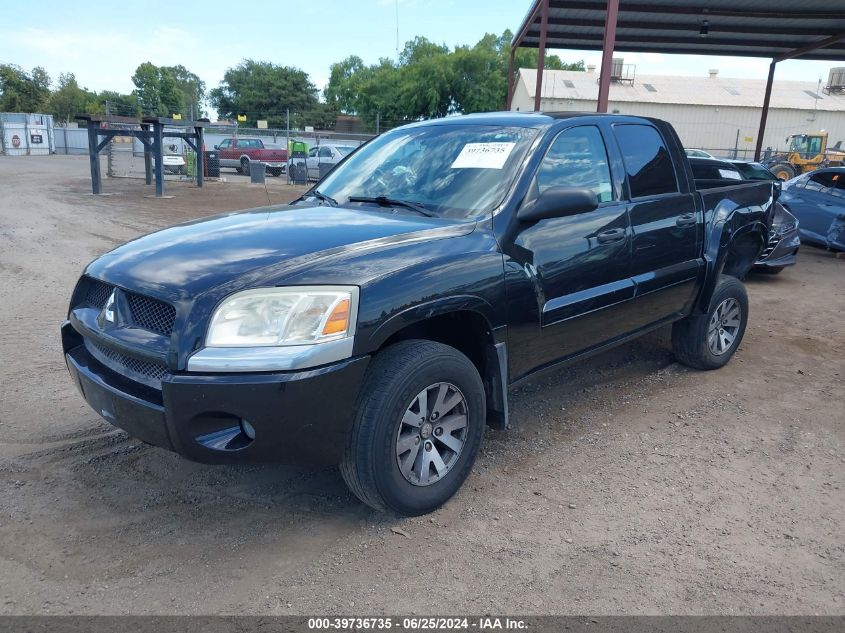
(147,313)
(146,372)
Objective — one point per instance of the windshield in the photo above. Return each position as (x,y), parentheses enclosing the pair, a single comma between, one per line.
(343,150)
(451,170)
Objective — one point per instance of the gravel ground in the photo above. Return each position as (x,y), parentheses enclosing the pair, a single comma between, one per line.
(630,484)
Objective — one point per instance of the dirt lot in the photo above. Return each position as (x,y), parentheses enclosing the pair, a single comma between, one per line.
(629,485)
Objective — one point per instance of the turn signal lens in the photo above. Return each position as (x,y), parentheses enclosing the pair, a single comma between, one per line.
(338,320)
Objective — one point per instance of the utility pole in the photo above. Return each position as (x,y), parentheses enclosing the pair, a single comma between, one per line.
(287,128)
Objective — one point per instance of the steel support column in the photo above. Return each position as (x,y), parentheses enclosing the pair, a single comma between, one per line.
(200,155)
(94,157)
(510,79)
(765,113)
(148,166)
(608,44)
(541,54)
(158,149)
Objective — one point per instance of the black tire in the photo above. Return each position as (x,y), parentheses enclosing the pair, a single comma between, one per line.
(784,171)
(770,270)
(276,171)
(239,170)
(244,166)
(690,336)
(395,377)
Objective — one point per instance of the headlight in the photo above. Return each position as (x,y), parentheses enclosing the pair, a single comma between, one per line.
(269,317)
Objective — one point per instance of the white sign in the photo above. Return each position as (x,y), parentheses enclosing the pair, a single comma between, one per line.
(483,156)
(730,173)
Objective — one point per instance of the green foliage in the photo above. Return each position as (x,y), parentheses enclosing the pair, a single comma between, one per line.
(69,99)
(21,91)
(430,80)
(112,102)
(167,90)
(262,90)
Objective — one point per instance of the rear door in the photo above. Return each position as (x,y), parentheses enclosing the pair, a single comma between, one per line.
(666,224)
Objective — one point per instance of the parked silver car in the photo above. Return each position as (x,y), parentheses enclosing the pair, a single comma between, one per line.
(322,158)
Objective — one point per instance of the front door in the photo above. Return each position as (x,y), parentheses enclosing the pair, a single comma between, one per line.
(666,224)
(579,263)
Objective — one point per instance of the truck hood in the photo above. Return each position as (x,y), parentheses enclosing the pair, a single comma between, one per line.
(258,247)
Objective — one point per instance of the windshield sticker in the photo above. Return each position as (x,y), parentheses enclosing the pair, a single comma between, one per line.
(483,156)
(730,173)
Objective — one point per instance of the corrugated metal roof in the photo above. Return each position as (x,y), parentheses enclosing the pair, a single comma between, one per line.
(756,28)
(714,91)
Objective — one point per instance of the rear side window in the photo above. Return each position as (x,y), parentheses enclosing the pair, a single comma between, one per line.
(647,161)
(821,181)
(577,158)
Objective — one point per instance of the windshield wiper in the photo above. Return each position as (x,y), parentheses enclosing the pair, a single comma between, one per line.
(384,201)
(321,197)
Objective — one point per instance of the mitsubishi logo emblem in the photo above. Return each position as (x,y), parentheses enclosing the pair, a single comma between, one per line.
(108,312)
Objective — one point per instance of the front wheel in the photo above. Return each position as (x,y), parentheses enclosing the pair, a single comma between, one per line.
(417,428)
(708,341)
(275,171)
(784,171)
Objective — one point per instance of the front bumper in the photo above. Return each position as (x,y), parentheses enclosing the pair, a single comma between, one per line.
(298,416)
(272,164)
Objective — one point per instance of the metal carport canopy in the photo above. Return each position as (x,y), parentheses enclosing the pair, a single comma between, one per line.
(774,29)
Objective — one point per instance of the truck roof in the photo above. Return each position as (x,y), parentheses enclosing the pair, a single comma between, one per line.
(522,119)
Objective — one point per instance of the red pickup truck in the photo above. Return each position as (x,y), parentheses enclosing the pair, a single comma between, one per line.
(240,151)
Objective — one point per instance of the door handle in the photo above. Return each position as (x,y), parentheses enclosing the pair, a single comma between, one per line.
(611,235)
(687,219)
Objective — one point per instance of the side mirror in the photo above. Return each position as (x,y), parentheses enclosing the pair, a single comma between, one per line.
(559,202)
(216,147)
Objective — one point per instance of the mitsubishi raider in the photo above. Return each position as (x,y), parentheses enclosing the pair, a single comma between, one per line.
(378,321)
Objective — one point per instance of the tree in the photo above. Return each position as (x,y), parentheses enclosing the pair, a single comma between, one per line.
(168,90)
(147,80)
(262,90)
(191,88)
(430,80)
(21,91)
(69,99)
(113,102)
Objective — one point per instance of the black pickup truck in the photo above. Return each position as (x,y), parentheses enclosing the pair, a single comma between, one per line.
(378,321)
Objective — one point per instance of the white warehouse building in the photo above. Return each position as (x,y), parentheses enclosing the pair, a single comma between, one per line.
(715,113)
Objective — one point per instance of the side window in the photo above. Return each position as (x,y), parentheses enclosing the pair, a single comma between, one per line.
(647,161)
(577,158)
(312,152)
(225,144)
(820,181)
(325,152)
(838,188)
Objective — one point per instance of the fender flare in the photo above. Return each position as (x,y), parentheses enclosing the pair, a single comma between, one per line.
(423,311)
(722,235)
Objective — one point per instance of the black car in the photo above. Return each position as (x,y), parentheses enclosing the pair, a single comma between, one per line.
(784,239)
(378,321)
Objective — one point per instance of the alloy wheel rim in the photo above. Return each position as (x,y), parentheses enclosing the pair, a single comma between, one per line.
(724,326)
(432,434)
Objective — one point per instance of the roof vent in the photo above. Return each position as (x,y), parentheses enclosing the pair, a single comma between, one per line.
(649,87)
(713,72)
(568,83)
(591,68)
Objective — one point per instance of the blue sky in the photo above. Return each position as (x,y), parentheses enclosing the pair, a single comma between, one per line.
(210,36)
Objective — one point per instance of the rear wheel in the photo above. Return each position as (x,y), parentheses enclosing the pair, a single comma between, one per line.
(276,171)
(770,270)
(708,341)
(417,428)
(244,166)
(784,171)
